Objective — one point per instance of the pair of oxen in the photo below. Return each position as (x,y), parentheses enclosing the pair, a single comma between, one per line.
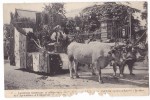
(99,55)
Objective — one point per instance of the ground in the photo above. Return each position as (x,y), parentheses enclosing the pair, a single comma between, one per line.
(19,79)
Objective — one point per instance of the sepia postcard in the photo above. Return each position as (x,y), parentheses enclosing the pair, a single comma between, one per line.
(64,48)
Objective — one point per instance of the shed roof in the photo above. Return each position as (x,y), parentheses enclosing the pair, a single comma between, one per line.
(26,14)
(25,18)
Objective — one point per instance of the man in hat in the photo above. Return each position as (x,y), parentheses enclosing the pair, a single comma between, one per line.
(58,36)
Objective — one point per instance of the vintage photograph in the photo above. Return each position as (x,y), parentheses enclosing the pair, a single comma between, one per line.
(88,45)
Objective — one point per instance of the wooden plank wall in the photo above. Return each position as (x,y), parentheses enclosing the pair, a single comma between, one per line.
(22,50)
(37,62)
(29,63)
(16,50)
(12,47)
(43,60)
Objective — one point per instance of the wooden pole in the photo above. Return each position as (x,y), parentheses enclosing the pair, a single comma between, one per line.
(130,15)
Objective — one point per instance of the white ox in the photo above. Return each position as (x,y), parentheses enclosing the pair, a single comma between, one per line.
(94,53)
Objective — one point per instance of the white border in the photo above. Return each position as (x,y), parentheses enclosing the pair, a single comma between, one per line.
(75,97)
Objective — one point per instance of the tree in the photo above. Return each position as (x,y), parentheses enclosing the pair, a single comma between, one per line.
(144,13)
(55,8)
(78,21)
(56,14)
(71,24)
(109,10)
(52,15)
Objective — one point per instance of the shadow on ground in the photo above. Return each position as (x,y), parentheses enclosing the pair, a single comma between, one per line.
(137,80)
(140,80)
(60,72)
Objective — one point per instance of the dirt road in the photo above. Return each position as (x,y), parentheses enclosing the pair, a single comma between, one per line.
(19,79)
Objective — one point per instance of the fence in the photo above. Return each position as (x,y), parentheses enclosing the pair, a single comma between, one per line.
(122,33)
(117,34)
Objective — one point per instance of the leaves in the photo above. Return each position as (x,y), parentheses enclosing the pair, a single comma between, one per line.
(117,12)
(55,13)
(54,8)
(111,9)
(144,13)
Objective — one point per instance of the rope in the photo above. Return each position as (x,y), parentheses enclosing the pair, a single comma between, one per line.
(37,44)
(139,38)
(40,47)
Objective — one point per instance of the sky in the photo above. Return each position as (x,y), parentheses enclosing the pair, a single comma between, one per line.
(72,9)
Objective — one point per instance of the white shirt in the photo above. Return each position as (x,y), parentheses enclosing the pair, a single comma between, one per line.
(53,36)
